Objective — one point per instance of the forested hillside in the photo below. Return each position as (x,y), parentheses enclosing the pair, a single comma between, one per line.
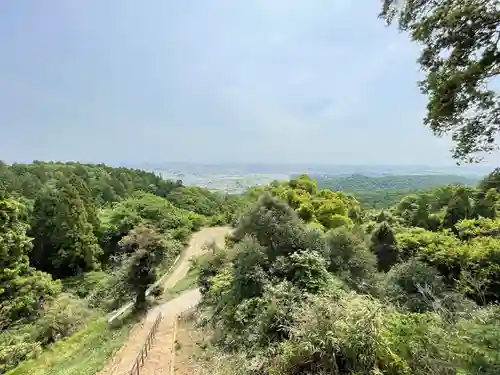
(385,191)
(312,284)
(78,240)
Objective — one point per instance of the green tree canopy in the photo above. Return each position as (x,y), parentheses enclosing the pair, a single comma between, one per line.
(64,239)
(22,289)
(461,58)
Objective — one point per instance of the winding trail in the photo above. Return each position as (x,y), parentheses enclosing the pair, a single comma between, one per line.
(160,357)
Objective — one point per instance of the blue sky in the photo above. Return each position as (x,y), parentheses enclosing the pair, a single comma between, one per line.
(214,81)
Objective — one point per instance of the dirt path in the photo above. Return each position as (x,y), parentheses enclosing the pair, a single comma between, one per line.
(159,359)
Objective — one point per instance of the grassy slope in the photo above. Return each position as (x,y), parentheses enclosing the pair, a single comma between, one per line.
(188,282)
(83,353)
(86,352)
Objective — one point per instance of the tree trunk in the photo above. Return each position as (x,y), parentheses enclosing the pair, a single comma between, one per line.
(140,300)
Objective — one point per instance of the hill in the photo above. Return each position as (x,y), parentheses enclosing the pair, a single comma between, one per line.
(385,191)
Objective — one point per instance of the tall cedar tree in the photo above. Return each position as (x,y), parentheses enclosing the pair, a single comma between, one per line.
(64,240)
(22,289)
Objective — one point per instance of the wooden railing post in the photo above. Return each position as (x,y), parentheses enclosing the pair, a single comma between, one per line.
(139,361)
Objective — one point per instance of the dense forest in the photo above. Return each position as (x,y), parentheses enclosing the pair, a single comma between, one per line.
(386,191)
(78,240)
(313,284)
(311,281)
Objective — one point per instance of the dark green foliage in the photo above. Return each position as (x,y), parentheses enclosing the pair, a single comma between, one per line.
(415,286)
(198,200)
(148,249)
(386,191)
(213,263)
(383,245)
(291,300)
(64,240)
(272,246)
(350,259)
(491,181)
(104,231)
(149,210)
(106,184)
(485,204)
(459,207)
(460,57)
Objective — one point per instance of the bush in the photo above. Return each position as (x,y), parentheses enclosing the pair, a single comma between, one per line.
(83,284)
(157,291)
(351,260)
(333,336)
(16,347)
(414,285)
(61,317)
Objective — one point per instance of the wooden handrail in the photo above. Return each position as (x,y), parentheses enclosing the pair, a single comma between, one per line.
(139,361)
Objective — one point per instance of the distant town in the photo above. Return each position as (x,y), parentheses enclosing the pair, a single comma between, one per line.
(236,178)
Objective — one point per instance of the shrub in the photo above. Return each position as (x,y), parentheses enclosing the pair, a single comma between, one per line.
(414,285)
(61,317)
(350,259)
(16,347)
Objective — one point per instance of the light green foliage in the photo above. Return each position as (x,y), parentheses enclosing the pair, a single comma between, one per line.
(196,199)
(349,329)
(295,300)
(149,210)
(297,291)
(471,228)
(61,317)
(325,208)
(305,183)
(83,353)
(460,58)
(414,242)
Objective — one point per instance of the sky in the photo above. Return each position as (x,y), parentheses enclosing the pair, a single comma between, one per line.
(212,81)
